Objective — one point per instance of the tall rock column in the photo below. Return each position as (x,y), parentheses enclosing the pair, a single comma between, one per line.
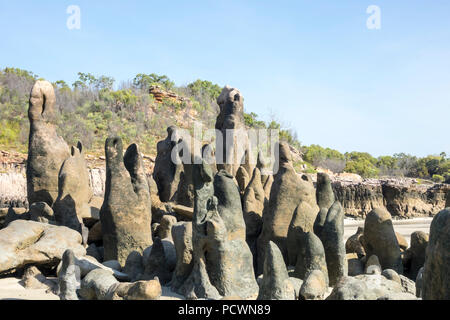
(436,272)
(126,211)
(287,192)
(231,119)
(74,192)
(46,149)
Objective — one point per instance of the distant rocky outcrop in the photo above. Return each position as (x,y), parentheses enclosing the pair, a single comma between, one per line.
(403,198)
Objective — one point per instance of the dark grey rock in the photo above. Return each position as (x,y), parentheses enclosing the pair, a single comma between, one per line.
(436,274)
(68,277)
(414,256)
(126,211)
(275,284)
(332,237)
(229,205)
(379,239)
(182,238)
(311,256)
(97,284)
(41,212)
(134,266)
(166,173)
(161,261)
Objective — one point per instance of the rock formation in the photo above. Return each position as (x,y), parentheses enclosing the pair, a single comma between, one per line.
(332,237)
(288,191)
(401,197)
(379,239)
(314,287)
(232,150)
(301,223)
(354,244)
(311,256)
(46,150)
(25,243)
(74,191)
(275,284)
(229,205)
(222,261)
(414,257)
(368,287)
(436,274)
(126,211)
(182,238)
(68,279)
(254,200)
(41,212)
(161,261)
(166,173)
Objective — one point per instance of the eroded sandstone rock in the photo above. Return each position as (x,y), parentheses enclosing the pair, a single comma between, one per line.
(46,150)
(436,274)
(380,239)
(25,243)
(126,211)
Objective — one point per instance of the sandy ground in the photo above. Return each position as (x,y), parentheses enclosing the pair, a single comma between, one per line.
(11,289)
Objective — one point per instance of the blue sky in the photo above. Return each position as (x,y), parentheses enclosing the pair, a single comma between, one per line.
(313,64)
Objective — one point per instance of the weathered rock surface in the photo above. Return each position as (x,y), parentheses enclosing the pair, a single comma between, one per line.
(166,173)
(34,279)
(140,290)
(414,257)
(436,274)
(96,285)
(126,211)
(46,150)
(253,203)
(232,150)
(222,261)
(311,256)
(275,284)
(161,261)
(41,212)
(68,277)
(324,191)
(355,266)
(332,237)
(87,263)
(367,287)
(401,197)
(25,243)
(301,223)
(74,191)
(373,265)
(182,238)
(288,191)
(229,205)
(314,287)
(354,244)
(379,239)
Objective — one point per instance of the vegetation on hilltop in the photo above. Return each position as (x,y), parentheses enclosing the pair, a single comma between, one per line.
(90,109)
